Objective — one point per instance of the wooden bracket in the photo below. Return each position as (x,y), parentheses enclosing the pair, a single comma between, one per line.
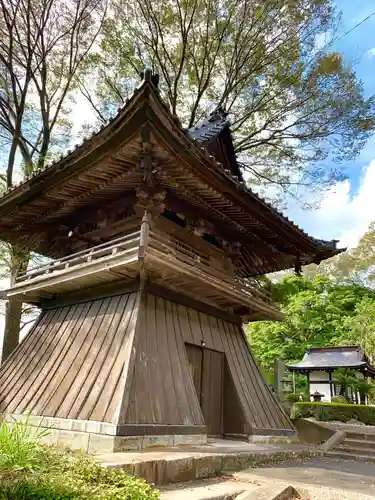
(146,161)
(151,200)
(199,226)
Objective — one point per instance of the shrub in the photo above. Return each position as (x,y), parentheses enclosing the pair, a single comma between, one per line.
(30,470)
(338,399)
(334,411)
(292,397)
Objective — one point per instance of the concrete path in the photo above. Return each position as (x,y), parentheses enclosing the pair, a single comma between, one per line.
(325,479)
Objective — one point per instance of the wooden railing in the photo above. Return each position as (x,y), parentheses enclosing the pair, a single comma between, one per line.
(123,245)
(199,260)
(142,243)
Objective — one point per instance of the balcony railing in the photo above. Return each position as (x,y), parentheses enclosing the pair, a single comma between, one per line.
(119,246)
(200,261)
(164,254)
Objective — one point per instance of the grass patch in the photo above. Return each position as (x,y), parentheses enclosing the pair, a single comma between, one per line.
(30,470)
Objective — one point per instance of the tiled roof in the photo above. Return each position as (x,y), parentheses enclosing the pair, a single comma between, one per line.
(199,135)
(210,128)
(330,358)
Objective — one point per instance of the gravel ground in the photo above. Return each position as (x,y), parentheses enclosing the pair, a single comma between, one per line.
(324,479)
(316,493)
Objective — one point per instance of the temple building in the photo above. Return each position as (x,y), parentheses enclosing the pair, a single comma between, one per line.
(320,363)
(155,243)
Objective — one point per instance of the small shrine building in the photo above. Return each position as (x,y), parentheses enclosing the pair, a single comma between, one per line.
(320,363)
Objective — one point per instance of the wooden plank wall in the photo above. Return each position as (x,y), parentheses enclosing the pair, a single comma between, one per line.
(162,390)
(73,362)
(122,359)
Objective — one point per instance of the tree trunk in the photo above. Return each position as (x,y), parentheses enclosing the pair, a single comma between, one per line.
(19,260)
(13,313)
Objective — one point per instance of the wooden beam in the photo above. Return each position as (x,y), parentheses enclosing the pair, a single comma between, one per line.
(56,210)
(119,132)
(266,215)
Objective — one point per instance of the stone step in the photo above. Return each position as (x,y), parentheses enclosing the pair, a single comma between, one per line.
(370,452)
(348,455)
(206,490)
(178,466)
(365,436)
(357,446)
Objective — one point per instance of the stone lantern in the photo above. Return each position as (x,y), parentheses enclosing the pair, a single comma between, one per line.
(317,397)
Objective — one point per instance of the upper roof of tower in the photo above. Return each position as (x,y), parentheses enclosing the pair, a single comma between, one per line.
(197,167)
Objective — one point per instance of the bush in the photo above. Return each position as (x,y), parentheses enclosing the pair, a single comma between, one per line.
(30,470)
(338,399)
(292,397)
(334,411)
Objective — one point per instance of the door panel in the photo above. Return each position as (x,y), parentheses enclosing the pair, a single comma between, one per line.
(207,370)
(195,354)
(212,391)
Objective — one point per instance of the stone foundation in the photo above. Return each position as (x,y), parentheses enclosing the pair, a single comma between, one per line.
(100,437)
(259,439)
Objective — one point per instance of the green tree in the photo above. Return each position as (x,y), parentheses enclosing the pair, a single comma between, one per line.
(364,388)
(360,328)
(291,103)
(346,379)
(355,266)
(317,313)
(43,46)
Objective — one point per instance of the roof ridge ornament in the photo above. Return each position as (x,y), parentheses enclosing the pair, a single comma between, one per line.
(148,76)
(219,112)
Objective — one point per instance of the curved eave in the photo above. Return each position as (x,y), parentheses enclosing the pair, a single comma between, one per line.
(237,191)
(147,106)
(300,368)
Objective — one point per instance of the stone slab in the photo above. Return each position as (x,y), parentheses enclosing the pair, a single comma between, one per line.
(176,465)
(337,438)
(273,492)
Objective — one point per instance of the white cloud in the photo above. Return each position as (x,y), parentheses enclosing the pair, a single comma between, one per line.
(322,41)
(82,114)
(340,215)
(371,52)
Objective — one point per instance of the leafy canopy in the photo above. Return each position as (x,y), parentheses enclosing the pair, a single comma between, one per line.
(293,102)
(318,313)
(355,265)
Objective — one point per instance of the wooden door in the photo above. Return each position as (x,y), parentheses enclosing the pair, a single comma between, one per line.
(207,370)
(212,391)
(195,357)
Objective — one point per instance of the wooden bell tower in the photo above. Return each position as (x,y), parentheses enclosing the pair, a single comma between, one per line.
(154,244)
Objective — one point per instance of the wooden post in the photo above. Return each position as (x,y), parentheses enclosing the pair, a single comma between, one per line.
(298,267)
(144,237)
(308,384)
(330,383)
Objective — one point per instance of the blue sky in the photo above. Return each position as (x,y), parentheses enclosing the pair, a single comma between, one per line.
(348,208)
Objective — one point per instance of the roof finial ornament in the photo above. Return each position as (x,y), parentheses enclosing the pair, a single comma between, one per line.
(218,112)
(148,76)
